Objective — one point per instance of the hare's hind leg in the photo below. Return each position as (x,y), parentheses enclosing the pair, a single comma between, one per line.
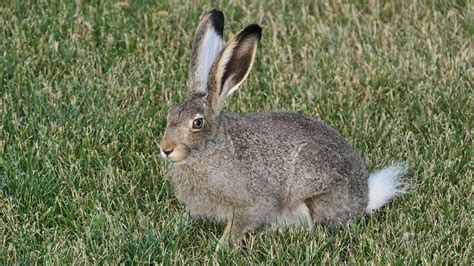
(329,183)
(332,207)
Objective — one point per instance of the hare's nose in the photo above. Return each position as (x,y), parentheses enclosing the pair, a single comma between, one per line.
(167,151)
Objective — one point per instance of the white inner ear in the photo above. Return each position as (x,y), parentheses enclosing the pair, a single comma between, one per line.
(225,57)
(211,45)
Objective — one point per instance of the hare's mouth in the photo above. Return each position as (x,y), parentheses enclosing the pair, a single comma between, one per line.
(178,154)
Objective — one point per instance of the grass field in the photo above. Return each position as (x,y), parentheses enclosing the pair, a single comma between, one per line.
(84,92)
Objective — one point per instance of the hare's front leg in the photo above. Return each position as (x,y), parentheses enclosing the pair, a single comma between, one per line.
(232,233)
(225,238)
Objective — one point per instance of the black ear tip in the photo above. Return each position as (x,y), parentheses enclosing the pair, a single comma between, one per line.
(253,29)
(217,18)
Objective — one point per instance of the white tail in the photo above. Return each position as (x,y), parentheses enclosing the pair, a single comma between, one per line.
(385,184)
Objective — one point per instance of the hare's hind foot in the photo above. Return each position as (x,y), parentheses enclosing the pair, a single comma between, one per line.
(300,215)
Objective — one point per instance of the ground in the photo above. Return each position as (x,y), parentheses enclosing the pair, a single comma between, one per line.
(84,91)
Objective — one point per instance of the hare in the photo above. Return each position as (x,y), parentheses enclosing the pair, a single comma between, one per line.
(270,168)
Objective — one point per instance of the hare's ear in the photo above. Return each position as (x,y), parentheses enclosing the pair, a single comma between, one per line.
(208,42)
(233,65)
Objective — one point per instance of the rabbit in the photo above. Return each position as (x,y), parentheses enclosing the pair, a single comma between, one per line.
(267,168)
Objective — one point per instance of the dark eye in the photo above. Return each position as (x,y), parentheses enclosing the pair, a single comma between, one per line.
(198,123)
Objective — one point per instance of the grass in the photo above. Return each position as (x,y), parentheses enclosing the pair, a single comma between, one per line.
(84,90)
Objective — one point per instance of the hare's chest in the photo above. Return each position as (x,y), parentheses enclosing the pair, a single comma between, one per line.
(201,196)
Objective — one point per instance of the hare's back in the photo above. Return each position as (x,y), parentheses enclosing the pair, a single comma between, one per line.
(272,130)
(274,143)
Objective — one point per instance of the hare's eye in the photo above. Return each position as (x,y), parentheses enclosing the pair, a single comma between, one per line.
(198,123)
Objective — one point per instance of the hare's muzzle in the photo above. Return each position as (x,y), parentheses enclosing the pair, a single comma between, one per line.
(173,152)
(166,148)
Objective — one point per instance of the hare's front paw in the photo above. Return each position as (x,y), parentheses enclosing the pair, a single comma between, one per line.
(231,237)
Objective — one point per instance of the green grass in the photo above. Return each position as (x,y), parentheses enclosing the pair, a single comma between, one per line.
(84,90)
